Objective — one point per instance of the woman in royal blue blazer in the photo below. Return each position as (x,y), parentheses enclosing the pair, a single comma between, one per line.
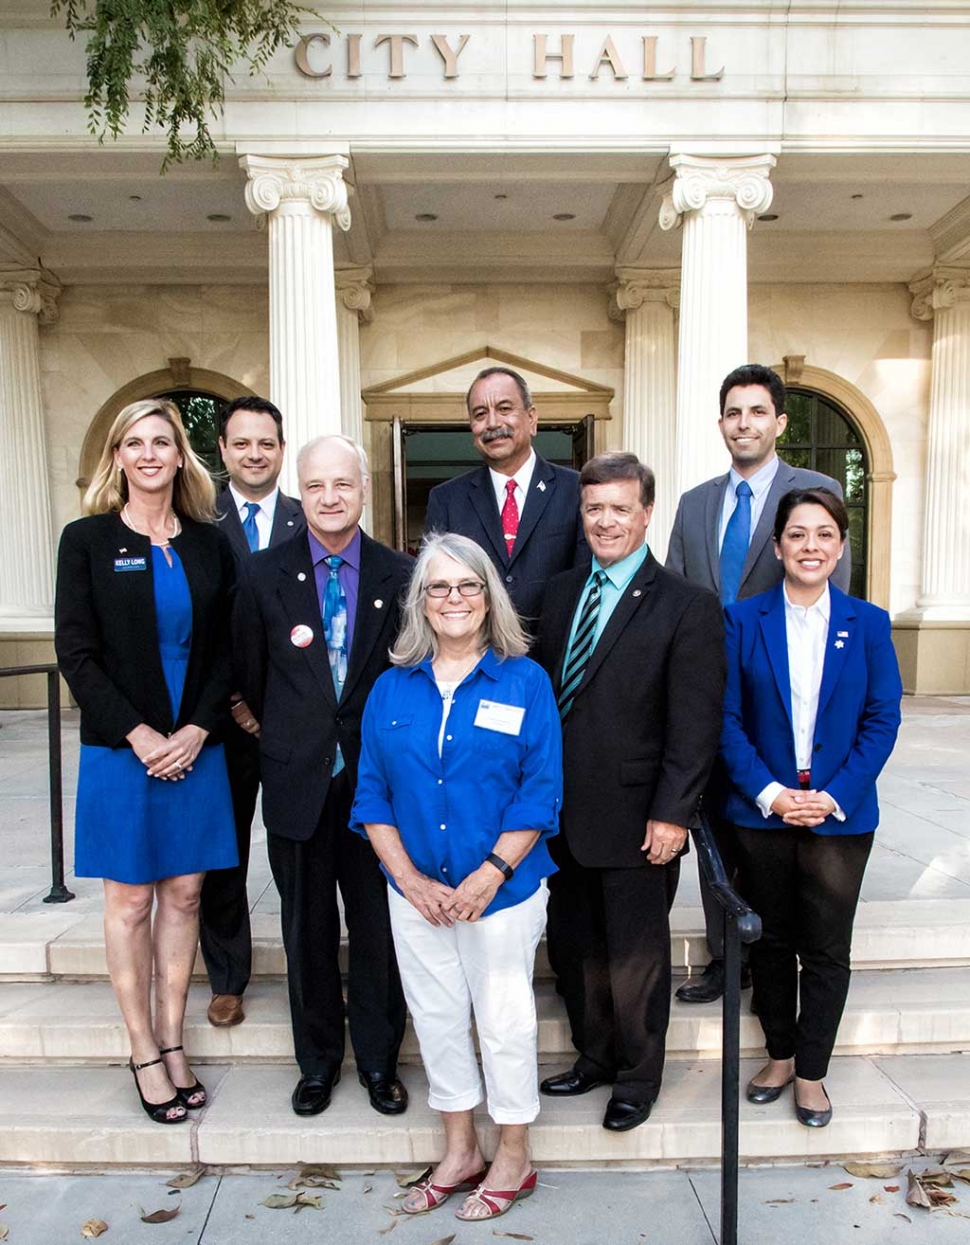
(811,715)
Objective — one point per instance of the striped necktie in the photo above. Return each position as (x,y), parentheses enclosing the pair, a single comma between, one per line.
(577,659)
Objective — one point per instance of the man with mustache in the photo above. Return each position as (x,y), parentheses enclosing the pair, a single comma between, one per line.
(721,540)
(522,510)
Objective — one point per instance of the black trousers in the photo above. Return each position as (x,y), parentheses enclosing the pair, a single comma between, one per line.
(224,930)
(307,875)
(805,887)
(609,940)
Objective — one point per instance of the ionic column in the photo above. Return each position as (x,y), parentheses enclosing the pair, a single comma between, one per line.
(27,298)
(301,198)
(646,301)
(943,296)
(716,201)
(354,289)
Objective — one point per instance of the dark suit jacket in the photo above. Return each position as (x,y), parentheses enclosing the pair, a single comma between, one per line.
(288,521)
(693,550)
(107,637)
(550,537)
(290,689)
(858,710)
(640,739)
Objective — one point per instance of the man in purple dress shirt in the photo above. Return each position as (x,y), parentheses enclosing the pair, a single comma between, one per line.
(314,621)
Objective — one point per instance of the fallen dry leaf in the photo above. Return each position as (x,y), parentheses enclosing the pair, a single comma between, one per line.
(890,1188)
(160,1216)
(956,1156)
(940,1197)
(778,1201)
(957,1214)
(916,1194)
(186,1180)
(92,1228)
(279,1201)
(899,1215)
(445,1240)
(879,1171)
(846,1184)
(935,1176)
(515,1236)
(367,1188)
(305,1200)
(877,1199)
(405,1179)
(4,1231)
(962,1173)
(249,1216)
(390,1228)
(323,1170)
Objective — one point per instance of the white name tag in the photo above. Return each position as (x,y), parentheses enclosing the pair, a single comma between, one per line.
(495,717)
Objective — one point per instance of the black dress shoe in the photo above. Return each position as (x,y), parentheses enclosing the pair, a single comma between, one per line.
(766,1093)
(811,1118)
(621,1116)
(386,1093)
(710,985)
(312,1093)
(569,1083)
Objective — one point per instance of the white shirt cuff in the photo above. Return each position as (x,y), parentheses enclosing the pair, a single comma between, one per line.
(767,797)
(837,811)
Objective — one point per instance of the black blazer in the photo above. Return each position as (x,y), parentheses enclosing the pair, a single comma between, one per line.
(106,633)
(288,521)
(550,537)
(643,731)
(290,689)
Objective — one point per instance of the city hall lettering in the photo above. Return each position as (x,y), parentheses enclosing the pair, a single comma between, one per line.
(646,57)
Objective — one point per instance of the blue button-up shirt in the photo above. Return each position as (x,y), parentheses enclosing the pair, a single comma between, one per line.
(450,809)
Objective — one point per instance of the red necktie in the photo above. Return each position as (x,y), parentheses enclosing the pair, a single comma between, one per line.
(510,516)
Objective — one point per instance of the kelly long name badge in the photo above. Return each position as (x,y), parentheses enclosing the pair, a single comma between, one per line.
(131,564)
(506,719)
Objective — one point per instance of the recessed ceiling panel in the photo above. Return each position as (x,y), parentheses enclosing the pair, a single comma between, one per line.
(503,205)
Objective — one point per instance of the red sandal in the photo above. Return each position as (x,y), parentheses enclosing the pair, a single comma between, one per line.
(492,1199)
(436,1194)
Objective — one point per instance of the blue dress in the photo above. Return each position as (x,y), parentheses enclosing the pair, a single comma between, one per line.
(132,828)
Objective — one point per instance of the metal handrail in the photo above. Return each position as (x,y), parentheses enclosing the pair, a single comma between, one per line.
(741,924)
(58,892)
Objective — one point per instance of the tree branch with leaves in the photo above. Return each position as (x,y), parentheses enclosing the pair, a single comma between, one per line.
(184,50)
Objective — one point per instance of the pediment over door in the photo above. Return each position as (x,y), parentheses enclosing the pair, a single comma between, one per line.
(437,393)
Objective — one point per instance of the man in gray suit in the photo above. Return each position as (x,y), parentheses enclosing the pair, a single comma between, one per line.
(722,540)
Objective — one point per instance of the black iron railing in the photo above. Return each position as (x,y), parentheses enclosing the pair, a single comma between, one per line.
(58,892)
(741,924)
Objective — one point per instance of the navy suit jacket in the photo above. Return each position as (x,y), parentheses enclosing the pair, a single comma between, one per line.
(550,537)
(858,710)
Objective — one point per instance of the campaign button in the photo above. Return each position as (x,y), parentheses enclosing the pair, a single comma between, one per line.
(301,635)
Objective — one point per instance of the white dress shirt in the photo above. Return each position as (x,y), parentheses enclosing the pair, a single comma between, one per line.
(522,478)
(760,482)
(264,515)
(807,630)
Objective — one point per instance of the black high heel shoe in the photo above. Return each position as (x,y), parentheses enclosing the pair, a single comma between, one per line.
(184,1093)
(158,1111)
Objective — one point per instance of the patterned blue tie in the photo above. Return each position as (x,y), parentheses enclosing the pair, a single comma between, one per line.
(734,549)
(335,631)
(250,530)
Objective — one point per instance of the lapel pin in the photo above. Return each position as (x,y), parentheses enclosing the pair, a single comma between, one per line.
(843,635)
(840,643)
(289,522)
(541,486)
(637,592)
(301,577)
(301,635)
(378,604)
(123,549)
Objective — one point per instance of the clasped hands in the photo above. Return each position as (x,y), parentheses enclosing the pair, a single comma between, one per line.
(803,808)
(167,757)
(444,905)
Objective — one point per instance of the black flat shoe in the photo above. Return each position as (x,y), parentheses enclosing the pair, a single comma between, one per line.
(566,1084)
(621,1116)
(386,1093)
(185,1092)
(766,1093)
(312,1093)
(158,1111)
(812,1118)
(709,987)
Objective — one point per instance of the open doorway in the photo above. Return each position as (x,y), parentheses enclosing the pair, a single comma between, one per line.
(426,454)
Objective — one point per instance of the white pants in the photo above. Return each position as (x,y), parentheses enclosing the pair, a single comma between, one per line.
(485,968)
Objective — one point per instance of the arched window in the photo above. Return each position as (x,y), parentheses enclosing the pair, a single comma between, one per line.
(822,437)
(200,415)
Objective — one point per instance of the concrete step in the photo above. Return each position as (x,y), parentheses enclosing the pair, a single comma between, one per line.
(896,1011)
(90,1117)
(907,933)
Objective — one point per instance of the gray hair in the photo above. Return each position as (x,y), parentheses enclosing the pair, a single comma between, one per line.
(358,450)
(502,630)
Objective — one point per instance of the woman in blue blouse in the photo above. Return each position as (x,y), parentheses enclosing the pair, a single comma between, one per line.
(459,788)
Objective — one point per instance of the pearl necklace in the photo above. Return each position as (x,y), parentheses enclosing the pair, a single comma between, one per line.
(159,544)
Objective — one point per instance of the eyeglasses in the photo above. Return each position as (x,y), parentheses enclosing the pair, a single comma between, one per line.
(467,588)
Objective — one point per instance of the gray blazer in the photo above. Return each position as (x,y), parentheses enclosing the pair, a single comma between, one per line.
(693,551)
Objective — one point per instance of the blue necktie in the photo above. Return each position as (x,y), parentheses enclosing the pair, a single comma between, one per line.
(250,530)
(335,631)
(734,549)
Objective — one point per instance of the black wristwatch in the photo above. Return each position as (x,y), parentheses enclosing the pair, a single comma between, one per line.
(502,865)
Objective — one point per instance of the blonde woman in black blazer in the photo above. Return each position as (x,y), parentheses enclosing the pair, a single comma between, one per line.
(143,598)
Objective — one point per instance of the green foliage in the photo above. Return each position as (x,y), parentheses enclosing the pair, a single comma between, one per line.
(184,50)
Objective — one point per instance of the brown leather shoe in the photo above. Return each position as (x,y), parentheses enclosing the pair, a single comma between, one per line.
(226,1010)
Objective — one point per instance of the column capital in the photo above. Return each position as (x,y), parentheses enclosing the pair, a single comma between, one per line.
(34,291)
(740,183)
(635,286)
(938,289)
(354,289)
(309,183)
